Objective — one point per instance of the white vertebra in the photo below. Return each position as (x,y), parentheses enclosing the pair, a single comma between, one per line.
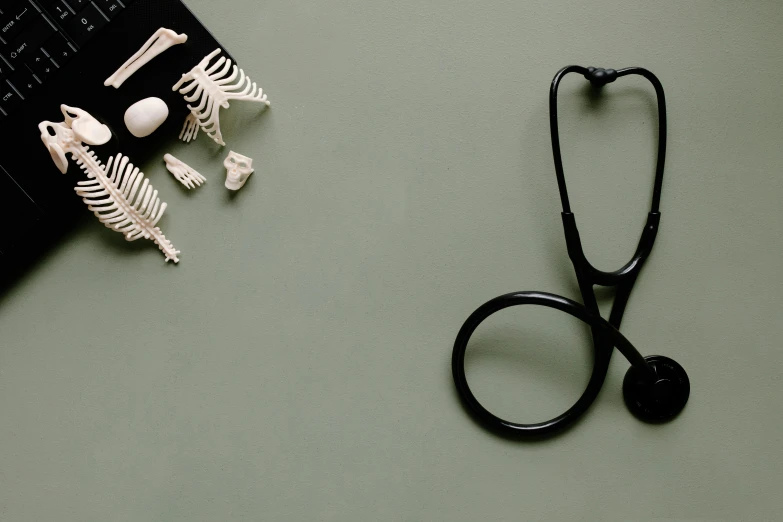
(118,194)
(214,89)
(183,172)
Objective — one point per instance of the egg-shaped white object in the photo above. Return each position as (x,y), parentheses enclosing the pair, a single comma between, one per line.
(143,117)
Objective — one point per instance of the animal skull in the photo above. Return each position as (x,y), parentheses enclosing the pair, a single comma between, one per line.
(238,169)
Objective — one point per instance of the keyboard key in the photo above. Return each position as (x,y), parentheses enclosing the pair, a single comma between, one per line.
(82,27)
(24,82)
(110,8)
(8,97)
(77,5)
(29,41)
(14,18)
(41,65)
(36,58)
(4,70)
(58,49)
(59,10)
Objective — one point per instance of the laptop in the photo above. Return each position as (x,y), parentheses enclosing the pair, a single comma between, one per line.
(55,52)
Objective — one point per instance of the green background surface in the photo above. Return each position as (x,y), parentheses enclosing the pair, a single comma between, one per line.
(296,364)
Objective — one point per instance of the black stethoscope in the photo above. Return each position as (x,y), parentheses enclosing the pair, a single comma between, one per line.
(655,388)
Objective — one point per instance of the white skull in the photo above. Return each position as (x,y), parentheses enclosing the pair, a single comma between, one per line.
(238,169)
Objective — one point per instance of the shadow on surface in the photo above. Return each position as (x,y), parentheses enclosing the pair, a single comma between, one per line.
(33,255)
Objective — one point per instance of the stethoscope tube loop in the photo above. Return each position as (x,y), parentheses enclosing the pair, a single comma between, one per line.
(556,302)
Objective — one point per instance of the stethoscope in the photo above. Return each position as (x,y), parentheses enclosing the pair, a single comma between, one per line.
(655,388)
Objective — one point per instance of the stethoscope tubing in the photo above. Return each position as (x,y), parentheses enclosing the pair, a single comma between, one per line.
(555,134)
(656,388)
(556,302)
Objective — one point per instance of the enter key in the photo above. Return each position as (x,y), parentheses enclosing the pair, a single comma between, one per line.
(14,17)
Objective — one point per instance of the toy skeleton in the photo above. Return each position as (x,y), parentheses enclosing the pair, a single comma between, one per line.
(118,193)
(214,88)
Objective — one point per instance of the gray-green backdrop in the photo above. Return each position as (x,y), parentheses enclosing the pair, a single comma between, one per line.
(296,364)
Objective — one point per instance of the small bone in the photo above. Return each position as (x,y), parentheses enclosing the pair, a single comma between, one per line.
(85,127)
(183,173)
(160,41)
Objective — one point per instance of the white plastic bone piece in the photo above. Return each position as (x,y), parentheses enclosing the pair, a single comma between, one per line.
(213,87)
(145,116)
(118,193)
(160,41)
(86,128)
(238,169)
(184,173)
(189,129)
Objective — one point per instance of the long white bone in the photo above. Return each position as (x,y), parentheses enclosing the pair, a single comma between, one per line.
(213,87)
(184,173)
(160,41)
(118,194)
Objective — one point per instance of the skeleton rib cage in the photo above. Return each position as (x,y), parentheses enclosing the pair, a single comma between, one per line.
(212,88)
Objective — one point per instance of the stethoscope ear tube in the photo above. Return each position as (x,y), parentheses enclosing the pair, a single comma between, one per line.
(655,388)
(599,78)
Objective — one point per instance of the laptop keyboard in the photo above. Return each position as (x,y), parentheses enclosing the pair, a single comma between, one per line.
(38,37)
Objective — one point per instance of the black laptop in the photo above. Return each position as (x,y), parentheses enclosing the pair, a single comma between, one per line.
(55,52)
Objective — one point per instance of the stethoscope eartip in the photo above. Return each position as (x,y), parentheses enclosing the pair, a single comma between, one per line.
(657,400)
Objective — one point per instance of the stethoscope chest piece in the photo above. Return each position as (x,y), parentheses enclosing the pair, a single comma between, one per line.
(660,399)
